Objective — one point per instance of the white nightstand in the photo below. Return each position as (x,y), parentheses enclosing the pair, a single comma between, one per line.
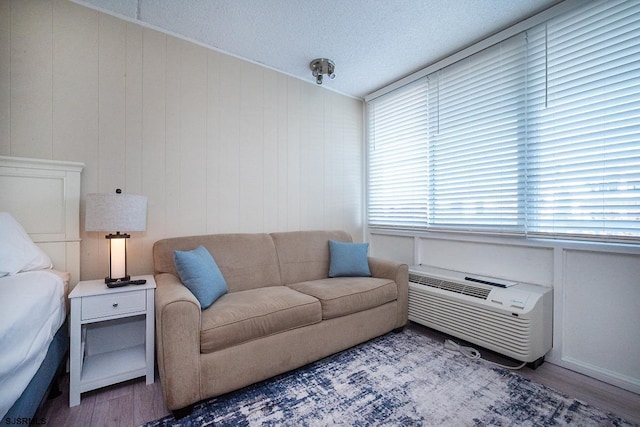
(112,335)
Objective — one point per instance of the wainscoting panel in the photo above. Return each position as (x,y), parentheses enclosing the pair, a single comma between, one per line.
(601,315)
(521,263)
(395,248)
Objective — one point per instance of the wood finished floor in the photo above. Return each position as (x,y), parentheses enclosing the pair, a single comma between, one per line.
(133,403)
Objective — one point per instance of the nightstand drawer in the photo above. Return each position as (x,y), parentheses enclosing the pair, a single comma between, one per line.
(112,305)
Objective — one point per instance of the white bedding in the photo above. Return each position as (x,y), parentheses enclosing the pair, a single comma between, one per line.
(32,306)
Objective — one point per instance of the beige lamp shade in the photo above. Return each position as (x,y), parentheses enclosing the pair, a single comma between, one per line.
(115,212)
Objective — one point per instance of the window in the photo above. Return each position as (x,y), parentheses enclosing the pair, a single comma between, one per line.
(476,144)
(537,135)
(397,134)
(584,160)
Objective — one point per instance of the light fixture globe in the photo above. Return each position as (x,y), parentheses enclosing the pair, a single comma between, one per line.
(320,67)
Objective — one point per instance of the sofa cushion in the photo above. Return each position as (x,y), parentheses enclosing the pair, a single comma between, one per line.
(200,273)
(348,259)
(341,296)
(304,255)
(242,316)
(246,260)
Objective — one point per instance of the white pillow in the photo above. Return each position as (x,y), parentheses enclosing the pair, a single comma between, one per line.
(17,250)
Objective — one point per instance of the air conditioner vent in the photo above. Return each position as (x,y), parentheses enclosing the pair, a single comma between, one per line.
(470,290)
(516,321)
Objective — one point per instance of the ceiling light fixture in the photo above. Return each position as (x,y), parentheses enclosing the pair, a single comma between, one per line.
(321,66)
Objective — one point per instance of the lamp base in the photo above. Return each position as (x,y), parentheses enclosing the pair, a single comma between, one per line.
(108,280)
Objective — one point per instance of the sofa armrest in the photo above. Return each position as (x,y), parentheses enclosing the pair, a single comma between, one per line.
(178,341)
(399,273)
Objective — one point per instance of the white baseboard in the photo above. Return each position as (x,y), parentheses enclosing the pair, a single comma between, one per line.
(614,378)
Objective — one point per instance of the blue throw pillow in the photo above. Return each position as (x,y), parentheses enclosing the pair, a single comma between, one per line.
(348,259)
(200,273)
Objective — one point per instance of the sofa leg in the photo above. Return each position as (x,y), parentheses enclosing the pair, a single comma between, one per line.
(182,412)
(398,330)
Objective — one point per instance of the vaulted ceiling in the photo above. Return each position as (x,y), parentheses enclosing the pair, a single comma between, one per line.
(372,42)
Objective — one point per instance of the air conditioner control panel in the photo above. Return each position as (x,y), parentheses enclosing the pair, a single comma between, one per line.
(509,298)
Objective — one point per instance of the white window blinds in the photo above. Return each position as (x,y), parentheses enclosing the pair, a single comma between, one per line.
(397,169)
(476,141)
(537,135)
(584,150)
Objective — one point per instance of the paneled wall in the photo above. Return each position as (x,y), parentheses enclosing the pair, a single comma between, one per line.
(596,294)
(216,143)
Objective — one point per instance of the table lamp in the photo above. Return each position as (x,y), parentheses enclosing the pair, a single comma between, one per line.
(120,213)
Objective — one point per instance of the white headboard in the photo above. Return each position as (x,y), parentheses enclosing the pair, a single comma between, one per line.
(44,196)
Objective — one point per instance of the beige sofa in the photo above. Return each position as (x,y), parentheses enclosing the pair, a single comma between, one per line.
(281,312)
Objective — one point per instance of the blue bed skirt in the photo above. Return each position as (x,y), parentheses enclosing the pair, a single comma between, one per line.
(37,390)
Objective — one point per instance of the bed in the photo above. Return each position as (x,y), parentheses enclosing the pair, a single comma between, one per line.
(39,264)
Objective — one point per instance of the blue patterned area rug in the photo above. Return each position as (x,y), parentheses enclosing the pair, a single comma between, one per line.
(403,379)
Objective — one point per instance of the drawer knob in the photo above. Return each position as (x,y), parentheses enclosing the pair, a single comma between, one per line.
(115,305)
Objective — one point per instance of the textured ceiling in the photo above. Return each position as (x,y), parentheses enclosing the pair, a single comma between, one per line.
(372,42)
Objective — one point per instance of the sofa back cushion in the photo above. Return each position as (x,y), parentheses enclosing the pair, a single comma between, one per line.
(247,261)
(304,255)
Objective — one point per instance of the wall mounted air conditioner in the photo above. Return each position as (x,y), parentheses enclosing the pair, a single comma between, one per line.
(513,319)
